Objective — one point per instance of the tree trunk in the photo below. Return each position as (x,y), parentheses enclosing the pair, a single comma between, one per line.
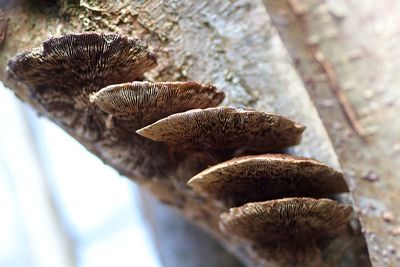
(346,51)
(231,44)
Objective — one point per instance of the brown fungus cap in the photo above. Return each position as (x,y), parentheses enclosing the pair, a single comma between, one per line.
(62,73)
(145,102)
(224,128)
(265,177)
(286,219)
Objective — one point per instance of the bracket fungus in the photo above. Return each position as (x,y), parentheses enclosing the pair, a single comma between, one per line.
(59,77)
(286,219)
(145,102)
(225,128)
(64,71)
(84,81)
(269,176)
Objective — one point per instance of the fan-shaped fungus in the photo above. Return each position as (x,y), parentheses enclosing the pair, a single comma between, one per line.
(224,128)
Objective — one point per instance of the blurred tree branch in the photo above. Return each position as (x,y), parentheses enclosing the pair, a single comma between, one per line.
(345,55)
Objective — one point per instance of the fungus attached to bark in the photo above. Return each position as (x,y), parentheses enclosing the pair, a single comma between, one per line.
(286,219)
(62,73)
(144,102)
(265,177)
(224,128)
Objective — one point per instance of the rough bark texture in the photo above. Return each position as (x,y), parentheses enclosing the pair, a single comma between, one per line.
(228,43)
(347,55)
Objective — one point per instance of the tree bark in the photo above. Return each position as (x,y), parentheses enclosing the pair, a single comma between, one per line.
(346,55)
(228,43)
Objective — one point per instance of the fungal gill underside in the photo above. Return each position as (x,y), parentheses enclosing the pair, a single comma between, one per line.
(160,134)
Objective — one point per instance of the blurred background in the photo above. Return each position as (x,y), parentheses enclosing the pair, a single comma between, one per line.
(59,204)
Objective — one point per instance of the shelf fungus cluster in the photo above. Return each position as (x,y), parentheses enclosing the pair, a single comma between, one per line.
(92,85)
